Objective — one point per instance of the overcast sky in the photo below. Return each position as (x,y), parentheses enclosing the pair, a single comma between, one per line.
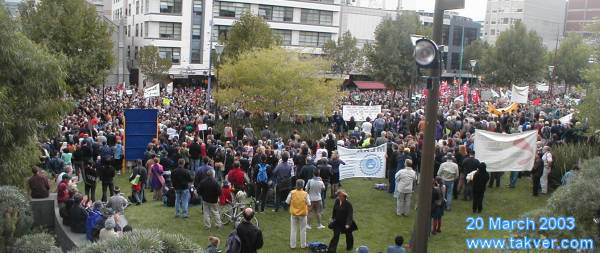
(474,9)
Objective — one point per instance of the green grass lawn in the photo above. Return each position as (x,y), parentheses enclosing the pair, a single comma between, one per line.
(374,212)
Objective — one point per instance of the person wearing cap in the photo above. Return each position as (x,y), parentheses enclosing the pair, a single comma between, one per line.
(342,222)
(448,172)
(405,180)
(117,202)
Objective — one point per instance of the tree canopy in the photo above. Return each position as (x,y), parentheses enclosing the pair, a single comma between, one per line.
(391,57)
(517,57)
(571,59)
(71,28)
(32,91)
(477,50)
(279,81)
(250,32)
(343,54)
(152,65)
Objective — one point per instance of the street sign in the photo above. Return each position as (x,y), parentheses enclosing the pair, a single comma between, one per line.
(452,4)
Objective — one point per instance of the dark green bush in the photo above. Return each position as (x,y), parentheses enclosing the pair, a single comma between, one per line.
(143,240)
(16,217)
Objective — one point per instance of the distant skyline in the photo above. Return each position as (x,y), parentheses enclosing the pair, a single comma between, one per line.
(474,9)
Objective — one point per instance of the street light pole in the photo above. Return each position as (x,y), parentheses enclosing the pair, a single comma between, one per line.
(425,186)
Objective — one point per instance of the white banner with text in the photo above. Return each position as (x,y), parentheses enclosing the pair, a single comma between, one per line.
(368,162)
(360,112)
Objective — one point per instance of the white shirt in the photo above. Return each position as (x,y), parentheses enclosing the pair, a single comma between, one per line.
(405,179)
(314,187)
(547,158)
(366,127)
(448,171)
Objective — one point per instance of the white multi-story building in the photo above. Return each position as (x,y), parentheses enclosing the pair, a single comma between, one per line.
(183,30)
(546,17)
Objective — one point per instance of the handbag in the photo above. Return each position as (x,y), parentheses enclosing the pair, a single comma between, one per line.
(331,224)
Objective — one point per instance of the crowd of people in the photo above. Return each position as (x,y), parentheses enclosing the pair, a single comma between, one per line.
(187,164)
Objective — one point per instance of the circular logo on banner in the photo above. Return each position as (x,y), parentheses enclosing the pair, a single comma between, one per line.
(371,165)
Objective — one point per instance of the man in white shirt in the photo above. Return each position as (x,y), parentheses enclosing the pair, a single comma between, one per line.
(547,159)
(315,187)
(367,126)
(405,179)
(448,172)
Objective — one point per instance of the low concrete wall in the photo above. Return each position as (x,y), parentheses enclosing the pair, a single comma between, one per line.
(46,214)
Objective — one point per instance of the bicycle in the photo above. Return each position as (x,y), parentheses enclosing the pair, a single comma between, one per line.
(234,212)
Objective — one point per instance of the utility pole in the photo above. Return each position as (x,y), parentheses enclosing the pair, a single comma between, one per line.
(423,222)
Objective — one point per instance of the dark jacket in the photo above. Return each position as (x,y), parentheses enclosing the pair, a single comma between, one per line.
(469,165)
(343,215)
(106,173)
(181,178)
(480,180)
(77,218)
(139,171)
(307,172)
(250,236)
(325,172)
(209,190)
(195,150)
(39,186)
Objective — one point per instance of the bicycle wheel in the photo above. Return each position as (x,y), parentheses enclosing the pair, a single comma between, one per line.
(255,221)
(227,213)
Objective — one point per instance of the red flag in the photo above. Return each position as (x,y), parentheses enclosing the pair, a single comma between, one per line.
(476,96)
(465,93)
(536,102)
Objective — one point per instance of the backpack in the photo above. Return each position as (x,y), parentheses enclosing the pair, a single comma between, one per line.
(262,176)
(317,247)
(234,243)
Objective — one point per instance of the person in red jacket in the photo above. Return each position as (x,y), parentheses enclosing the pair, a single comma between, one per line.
(63,191)
(237,177)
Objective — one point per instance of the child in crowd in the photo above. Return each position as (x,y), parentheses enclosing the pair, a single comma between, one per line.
(213,245)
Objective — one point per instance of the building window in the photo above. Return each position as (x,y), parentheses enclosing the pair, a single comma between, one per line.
(519,10)
(219,32)
(284,35)
(316,17)
(136,52)
(313,39)
(147,4)
(196,56)
(128,51)
(170,6)
(493,22)
(170,31)
(196,32)
(128,30)
(276,13)
(197,7)
(136,30)
(137,7)
(146,30)
(172,53)
(493,32)
(505,21)
(228,9)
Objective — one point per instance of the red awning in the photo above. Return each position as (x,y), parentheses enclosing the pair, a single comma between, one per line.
(369,85)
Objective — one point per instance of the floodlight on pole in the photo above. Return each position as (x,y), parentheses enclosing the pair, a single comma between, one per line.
(426,52)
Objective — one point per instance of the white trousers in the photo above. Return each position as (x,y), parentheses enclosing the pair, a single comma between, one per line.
(403,203)
(297,222)
(544,180)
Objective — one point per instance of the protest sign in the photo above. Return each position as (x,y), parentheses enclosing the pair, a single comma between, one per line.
(152,91)
(170,88)
(506,152)
(519,94)
(566,119)
(368,162)
(360,113)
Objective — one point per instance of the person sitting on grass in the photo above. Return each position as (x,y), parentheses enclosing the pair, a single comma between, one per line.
(397,248)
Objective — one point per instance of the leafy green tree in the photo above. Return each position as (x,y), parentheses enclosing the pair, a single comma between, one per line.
(152,65)
(391,57)
(571,59)
(517,57)
(343,54)
(590,106)
(279,81)
(477,50)
(250,32)
(32,91)
(71,28)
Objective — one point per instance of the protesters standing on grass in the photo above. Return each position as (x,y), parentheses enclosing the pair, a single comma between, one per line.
(448,172)
(210,191)
(157,181)
(479,181)
(405,180)
(140,171)
(181,178)
(250,235)
(315,187)
(335,163)
(437,205)
(299,202)
(283,180)
(470,164)
(547,159)
(342,222)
